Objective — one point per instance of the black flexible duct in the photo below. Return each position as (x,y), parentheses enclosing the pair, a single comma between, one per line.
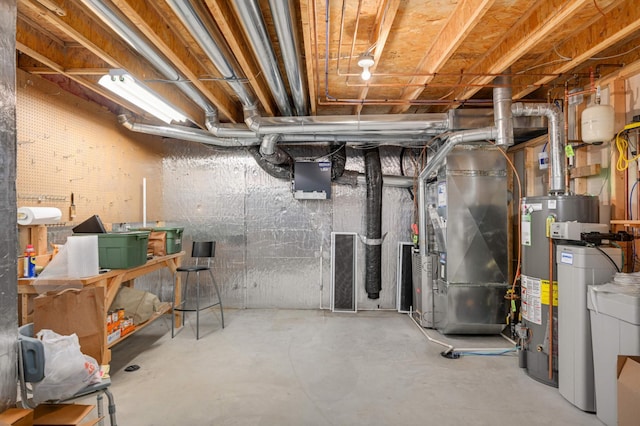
(338,160)
(373,241)
(283,170)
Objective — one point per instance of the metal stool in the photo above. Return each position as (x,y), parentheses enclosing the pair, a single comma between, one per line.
(199,250)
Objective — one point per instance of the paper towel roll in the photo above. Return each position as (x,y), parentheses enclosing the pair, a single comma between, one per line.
(38,215)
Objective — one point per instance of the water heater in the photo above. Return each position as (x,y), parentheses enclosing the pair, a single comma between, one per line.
(538,251)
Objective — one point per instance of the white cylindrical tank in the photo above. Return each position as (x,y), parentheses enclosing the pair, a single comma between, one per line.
(597,123)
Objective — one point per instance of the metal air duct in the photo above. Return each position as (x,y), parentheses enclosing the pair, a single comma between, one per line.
(395,124)
(477,135)
(556,140)
(251,19)
(502,111)
(283,17)
(186,133)
(117,23)
(212,42)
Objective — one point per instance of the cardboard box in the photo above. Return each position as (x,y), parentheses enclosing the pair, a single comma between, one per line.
(16,417)
(628,390)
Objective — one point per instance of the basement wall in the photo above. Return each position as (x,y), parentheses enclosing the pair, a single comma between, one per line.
(272,251)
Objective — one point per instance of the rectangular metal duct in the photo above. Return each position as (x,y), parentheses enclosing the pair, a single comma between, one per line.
(524,128)
(468,207)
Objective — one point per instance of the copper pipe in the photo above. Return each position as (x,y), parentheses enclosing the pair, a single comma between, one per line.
(566,136)
(426,85)
(550,308)
(449,74)
(339,37)
(355,33)
(338,101)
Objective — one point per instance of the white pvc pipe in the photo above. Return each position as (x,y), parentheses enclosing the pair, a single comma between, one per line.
(144,202)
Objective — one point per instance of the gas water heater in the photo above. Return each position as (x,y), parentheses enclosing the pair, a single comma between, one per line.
(538,257)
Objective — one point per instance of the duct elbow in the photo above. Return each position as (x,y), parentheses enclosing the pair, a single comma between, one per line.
(211,122)
(251,118)
(123,119)
(268,145)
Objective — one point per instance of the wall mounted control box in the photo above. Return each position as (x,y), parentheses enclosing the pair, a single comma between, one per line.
(312,180)
(571,230)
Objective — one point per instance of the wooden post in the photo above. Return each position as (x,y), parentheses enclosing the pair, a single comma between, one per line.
(38,237)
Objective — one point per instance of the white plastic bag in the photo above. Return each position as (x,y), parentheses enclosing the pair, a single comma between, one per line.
(66,368)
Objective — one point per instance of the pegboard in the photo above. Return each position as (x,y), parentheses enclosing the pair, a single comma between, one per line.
(68,145)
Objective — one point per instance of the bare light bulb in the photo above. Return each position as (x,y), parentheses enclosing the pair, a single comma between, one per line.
(366,74)
(365,61)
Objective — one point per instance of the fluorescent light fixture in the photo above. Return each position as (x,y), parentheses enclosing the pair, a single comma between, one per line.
(365,61)
(127,87)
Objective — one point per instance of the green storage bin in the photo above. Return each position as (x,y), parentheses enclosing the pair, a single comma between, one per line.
(123,250)
(174,238)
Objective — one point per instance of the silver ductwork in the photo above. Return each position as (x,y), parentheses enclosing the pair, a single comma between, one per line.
(283,17)
(226,130)
(383,124)
(556,141)
(117,23)
(216,49)
(502,111)
(186,133)
(270,151)
(197,135)
(253,24)
(213,44)
(477,135)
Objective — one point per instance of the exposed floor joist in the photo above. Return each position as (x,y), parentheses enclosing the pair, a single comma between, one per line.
(222,14)
(382,28)
(588,43)
(148,21)
(104,46)
(466,16)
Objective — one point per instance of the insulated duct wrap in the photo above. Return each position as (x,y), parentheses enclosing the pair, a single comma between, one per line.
(9,246)
(373,240)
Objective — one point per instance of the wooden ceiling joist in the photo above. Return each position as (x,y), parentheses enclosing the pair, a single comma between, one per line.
(150,23)
(617,24)
(66,71)
(108,49)
(58,69)
(382,27)
(222,14)
(466,16)
(544,18)
(309,35)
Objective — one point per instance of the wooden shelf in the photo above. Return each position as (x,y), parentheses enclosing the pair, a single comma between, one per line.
(111,282)
(630,223)
(139,327)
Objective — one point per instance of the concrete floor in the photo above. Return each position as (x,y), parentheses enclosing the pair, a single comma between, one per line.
(292,367)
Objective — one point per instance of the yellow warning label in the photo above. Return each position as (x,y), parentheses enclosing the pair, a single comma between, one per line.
(544,292)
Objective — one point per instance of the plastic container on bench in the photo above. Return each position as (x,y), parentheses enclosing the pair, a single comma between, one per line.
(174,238)
(123,250)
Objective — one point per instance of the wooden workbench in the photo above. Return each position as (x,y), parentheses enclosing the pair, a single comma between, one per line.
(111,282)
